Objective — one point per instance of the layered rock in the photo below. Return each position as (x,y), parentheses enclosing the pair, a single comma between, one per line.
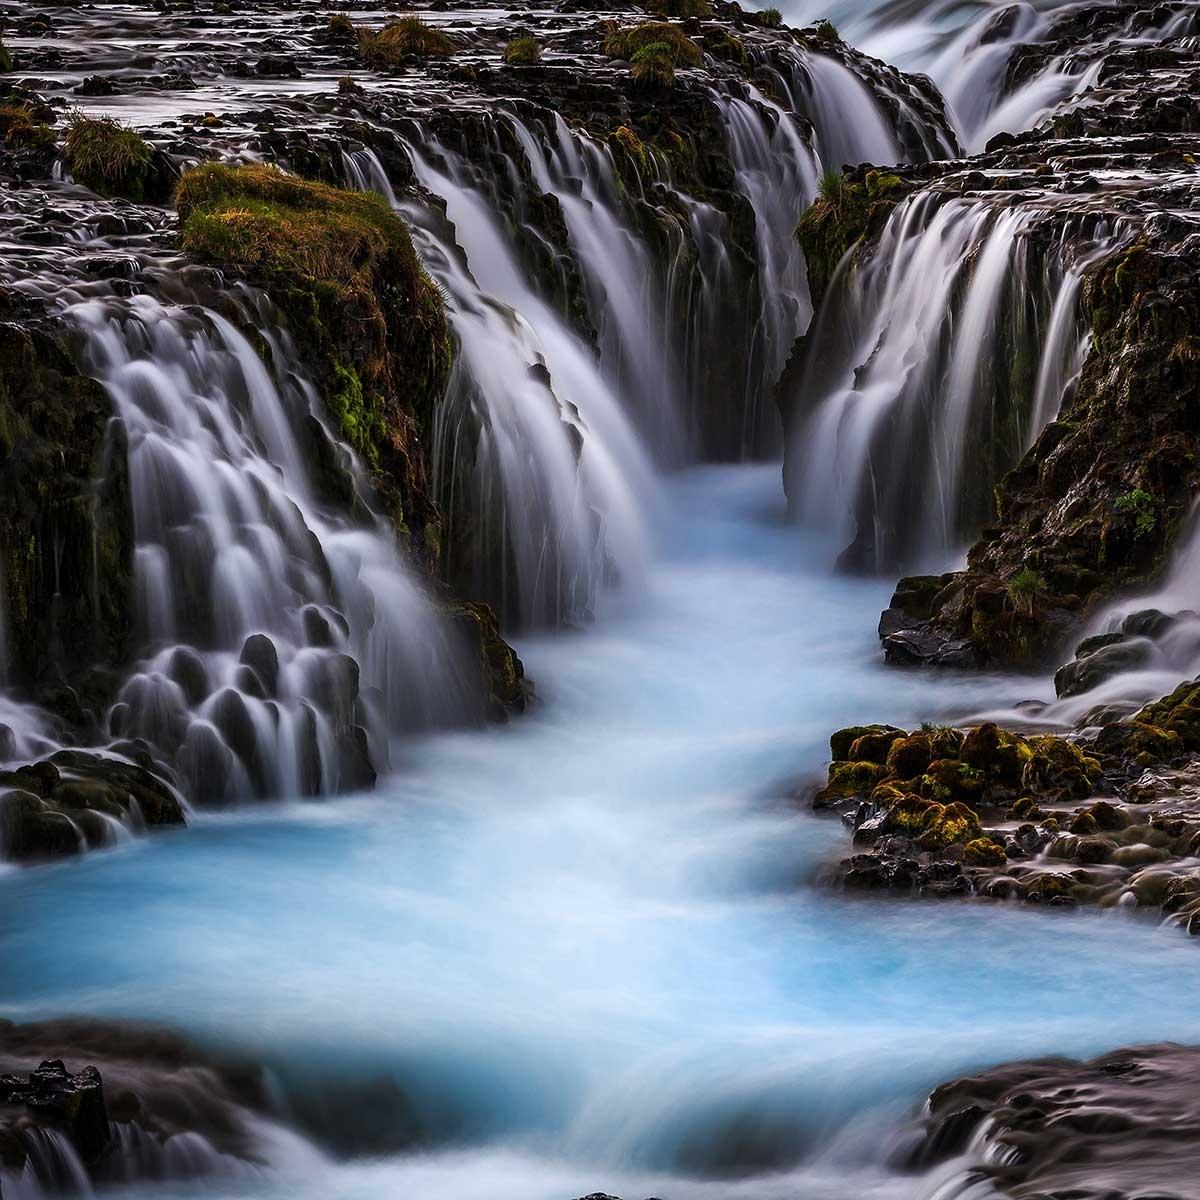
(1116,1127)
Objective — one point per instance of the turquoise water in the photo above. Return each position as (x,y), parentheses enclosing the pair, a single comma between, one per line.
(585,950)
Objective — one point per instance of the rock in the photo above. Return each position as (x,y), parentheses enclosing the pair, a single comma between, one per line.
(259,653)
(76,1101)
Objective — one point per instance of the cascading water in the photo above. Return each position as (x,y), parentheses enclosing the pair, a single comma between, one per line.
(956,341)
(285,645)
(540,470)
(969,49)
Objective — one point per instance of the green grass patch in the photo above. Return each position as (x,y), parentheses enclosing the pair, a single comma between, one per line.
(522,51)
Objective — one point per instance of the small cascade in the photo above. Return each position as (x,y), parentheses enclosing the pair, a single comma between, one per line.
(538,465)
(777,173)
(52,1167)
(854,119)
(932,369)
(988,58)
(1138,648)
(284,645)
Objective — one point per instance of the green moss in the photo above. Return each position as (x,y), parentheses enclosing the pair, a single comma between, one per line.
(845,212)
(728,47)
(341,28)
(104,155)
(409,37)
(654,65)
(522,51)
(6,58)
(847,779)
(954,824)
(628,141)
(841,741)
(342,266)
(983,852)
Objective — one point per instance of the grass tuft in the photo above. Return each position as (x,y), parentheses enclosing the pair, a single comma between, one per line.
(522,51)
(106,156)
(406,38)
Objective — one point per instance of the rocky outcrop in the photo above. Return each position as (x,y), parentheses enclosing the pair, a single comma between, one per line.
(66,536)
(75,801)
(1120,1126)
(1092,506)
(87,1102)
(1110,819)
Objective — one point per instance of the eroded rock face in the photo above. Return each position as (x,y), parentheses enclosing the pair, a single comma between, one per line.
(1091,503)
(1120,1126)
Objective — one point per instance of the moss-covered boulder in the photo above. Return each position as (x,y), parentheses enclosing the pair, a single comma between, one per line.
(341,266)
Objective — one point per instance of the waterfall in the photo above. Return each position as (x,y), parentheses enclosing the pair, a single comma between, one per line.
(970,49)
(284,645)
(539,469)
(953,344)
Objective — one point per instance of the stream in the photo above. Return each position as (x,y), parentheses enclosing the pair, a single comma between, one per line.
(584,950)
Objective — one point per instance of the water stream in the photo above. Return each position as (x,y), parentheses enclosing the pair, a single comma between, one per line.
(581,951)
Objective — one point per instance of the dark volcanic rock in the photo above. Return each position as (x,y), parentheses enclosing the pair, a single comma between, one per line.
(1122,1126)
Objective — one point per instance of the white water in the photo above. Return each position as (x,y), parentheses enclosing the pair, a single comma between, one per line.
(585,945)
(966,48)
(233,544)
(911,364)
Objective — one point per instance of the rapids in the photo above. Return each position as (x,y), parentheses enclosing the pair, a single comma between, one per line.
(578,952)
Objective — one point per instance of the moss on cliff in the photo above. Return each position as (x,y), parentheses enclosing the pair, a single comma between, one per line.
(341,265)
(849,209)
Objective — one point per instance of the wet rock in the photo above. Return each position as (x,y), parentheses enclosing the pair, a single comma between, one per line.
(259,653)
(74,1101)
(1120,1126)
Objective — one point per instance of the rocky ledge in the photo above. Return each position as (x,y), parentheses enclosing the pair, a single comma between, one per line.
(1111,819)
(85,1103)
(1119,1127)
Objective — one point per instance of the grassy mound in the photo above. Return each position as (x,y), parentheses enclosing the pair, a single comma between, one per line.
(21,130)
(522,51)
(659,36)
(405,38)
(104,155)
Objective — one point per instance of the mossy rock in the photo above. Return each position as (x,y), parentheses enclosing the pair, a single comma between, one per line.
(984,852)
(908,757)
(841,741)
(873,746)
(501,671)
(949,825)
(849,779)
(342,266)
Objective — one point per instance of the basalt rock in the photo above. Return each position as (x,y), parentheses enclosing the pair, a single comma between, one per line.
(1117,1127)
(75,800)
